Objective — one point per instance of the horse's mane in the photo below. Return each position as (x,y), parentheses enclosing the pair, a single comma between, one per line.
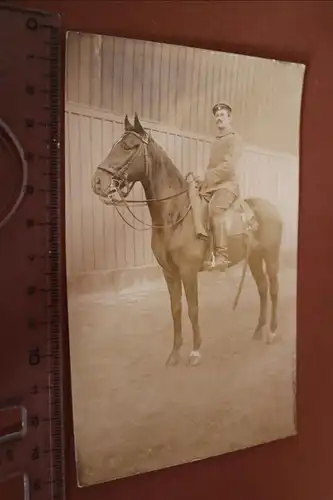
(163,165)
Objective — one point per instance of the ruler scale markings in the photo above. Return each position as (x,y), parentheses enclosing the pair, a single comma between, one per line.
(37,257)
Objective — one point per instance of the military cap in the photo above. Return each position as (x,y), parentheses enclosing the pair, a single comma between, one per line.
(221,105)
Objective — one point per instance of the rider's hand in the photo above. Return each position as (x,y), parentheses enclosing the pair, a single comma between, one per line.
(198,181)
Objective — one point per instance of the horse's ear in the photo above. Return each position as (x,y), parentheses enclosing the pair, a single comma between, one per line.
(137,125)
(127,123)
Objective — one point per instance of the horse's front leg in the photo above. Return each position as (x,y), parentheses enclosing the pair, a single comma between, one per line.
(175,292)
(190,282)
(256,265)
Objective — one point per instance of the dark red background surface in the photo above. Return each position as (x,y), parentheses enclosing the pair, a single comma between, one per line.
(299,468)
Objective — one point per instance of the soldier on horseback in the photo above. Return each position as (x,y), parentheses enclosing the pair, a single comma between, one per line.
(220,186)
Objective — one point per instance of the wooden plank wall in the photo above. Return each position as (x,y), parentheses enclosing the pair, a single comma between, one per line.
(97,238)
(173,89)
(178,86)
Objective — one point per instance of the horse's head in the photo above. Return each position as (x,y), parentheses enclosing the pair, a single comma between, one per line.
(125,164)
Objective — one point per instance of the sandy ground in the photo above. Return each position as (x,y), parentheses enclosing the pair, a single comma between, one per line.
(133,415)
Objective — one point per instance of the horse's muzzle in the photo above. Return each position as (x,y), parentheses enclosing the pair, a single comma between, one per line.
(96,185)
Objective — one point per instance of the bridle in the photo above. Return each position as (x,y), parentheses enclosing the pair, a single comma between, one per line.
(121,177)
(123,171)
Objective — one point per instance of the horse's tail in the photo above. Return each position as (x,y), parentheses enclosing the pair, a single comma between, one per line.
(246,261)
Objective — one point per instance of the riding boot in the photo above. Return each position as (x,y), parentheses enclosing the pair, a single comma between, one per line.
(221,250)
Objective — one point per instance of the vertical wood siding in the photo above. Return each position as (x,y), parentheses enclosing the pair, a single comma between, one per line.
(172,89)
(97,238)
(178,85)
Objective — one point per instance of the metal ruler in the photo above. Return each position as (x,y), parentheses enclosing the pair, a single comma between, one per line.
(31,417)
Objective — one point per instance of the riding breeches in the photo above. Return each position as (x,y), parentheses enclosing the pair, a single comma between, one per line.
(220,202)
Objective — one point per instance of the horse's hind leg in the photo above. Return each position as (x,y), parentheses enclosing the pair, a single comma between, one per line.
(190,282)
(272,269)
(175,292)
(256,263)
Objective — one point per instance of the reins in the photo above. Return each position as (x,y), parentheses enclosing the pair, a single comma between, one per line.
(123,201)
(150,226)
(148,200)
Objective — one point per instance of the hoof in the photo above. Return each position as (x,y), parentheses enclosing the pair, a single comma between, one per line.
(264,333)
(206,266)
(194,359)
(270,337)
(257,335)
(173,359)
(273,326)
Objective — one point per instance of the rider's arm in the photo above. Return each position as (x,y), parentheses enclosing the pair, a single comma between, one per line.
(224,161)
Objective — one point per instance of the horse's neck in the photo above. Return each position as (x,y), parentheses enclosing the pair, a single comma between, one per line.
(162,179)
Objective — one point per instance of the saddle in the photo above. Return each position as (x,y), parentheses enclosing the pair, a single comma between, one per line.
(239,218)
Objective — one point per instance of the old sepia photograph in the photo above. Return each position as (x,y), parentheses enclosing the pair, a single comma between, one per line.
(182,210)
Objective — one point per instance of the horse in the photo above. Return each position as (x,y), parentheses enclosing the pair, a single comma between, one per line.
(137,157)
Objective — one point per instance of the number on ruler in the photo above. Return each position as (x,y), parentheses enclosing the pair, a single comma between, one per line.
(29,156)
(32,24)
(9,454)
(34,357)
(30,89)
(29,123)
(34,421)
(35,389)
(37,485)
(35,453)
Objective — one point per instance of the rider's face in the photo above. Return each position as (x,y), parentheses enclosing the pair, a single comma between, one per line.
(222,118)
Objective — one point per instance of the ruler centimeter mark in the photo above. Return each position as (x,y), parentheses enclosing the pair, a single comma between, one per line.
(39,454)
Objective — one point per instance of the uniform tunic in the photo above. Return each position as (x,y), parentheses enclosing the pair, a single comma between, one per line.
(220,181)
